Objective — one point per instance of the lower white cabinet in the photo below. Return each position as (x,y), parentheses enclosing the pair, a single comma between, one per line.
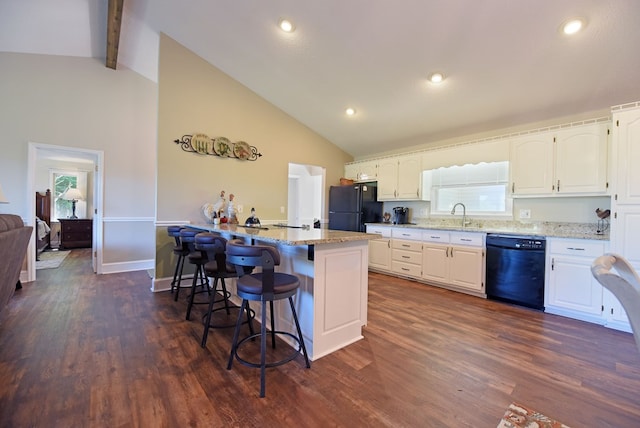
(406,257)
(456,259)
(570,288)
(380,249)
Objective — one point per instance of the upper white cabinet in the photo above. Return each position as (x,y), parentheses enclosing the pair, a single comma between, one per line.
(581,159)
(361,171)
(626,148)
(400,178)
(567,161)
(532,164)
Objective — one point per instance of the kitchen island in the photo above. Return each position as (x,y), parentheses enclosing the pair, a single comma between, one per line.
(333,270)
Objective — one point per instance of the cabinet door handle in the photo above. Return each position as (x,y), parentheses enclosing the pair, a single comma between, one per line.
(558,185)
(451,252)
(513,187)
(447,252)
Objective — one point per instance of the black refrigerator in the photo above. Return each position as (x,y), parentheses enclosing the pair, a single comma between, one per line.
(350,207)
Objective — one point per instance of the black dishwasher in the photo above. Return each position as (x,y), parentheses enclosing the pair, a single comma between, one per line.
(515,269)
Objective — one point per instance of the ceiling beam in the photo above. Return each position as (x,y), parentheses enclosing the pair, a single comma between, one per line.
(114,20)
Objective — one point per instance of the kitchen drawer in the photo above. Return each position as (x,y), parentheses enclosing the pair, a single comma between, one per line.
(381,230)
(467,238)
(407,256)
(435,236)
(403,268)
(406,245)
(575,247)
(406,233)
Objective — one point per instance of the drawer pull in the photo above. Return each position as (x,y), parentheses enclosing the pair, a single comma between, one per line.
(406,257)
(405,269)
(406,245)
(435,237)
(465,239)
(575,249)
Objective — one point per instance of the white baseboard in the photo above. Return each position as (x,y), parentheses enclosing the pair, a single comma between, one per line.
(161,284)
(128,266)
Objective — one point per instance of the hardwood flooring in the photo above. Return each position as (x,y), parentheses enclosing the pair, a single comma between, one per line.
(85,350)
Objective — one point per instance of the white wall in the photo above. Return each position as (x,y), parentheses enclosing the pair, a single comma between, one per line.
(79,103)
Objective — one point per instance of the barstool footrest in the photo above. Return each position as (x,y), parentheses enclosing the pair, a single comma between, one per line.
(285,360)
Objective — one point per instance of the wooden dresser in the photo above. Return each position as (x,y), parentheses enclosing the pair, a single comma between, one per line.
(76,233)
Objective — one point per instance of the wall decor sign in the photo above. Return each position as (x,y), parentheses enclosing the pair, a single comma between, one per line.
(220,146)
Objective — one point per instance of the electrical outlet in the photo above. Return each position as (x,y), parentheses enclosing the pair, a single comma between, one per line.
(525,213)
(281,210)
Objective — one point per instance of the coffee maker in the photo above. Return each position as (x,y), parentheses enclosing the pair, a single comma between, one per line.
(400,215)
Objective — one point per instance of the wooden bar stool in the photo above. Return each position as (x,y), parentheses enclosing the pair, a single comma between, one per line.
(218,269)
(266,286)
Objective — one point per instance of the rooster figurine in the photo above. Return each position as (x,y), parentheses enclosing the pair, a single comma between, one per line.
(602,214)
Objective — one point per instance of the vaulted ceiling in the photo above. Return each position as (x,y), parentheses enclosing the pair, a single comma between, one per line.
(505,62)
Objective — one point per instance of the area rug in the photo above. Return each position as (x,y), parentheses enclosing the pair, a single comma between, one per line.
(51,259)
(519,416)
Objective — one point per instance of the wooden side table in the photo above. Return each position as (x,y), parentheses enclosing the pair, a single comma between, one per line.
(76,233)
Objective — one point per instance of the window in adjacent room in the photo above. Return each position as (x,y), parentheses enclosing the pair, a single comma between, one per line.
(61,182)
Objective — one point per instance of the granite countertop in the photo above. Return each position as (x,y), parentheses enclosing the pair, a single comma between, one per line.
(547,229)
(285,235)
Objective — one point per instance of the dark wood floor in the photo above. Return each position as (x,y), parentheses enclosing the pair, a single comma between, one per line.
(78,350)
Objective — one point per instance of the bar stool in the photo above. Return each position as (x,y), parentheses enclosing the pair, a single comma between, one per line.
(182,252)
(265,286)
(197,258)
(218,269)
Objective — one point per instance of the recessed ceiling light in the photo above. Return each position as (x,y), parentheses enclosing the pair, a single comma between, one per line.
(436,77)
(286,26)
(350,111)
(573,26)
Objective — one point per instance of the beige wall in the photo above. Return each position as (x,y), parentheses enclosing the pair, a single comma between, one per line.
(197,97)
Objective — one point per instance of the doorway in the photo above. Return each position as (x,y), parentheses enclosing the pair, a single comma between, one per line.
(42,159)
(305,194)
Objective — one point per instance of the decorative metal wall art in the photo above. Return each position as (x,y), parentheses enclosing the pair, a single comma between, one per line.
(219,146)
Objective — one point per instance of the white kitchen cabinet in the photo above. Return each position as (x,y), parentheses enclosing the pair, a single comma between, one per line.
(532,164)
(361,171)
(581,159)
(626,152)
(614,314)
(406,257)
(456,259)
(570,288)
(380,249)
(400,178)
(568,161)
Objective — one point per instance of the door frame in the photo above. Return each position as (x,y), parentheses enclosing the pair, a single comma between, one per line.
(98,189)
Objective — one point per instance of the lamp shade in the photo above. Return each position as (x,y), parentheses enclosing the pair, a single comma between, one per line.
(3,199)
(72,194)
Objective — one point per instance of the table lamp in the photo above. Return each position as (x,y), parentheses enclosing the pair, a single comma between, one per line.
(73,195)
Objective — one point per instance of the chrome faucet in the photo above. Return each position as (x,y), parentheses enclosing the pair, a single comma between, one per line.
(464,213)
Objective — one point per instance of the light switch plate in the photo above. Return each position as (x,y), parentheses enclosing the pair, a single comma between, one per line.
(525,214)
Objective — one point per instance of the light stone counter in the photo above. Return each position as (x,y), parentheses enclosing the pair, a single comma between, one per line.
(285,235)
(547,229)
